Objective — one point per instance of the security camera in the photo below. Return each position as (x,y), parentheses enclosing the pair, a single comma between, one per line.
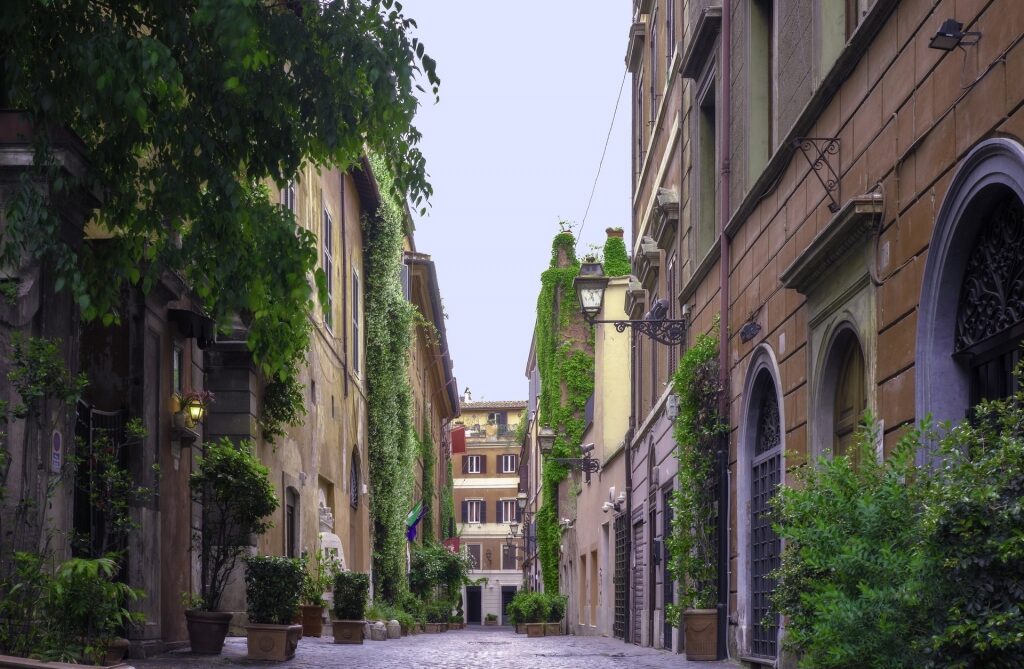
(587,448)
(622,498)
(607,506)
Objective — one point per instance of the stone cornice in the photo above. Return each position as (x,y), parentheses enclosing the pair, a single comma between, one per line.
(702,44)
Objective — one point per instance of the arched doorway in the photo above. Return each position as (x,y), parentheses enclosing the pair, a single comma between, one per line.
(765,547)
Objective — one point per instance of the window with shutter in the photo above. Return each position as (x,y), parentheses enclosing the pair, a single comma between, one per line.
(498,511)
(465,464)
(465,511)
(483,464)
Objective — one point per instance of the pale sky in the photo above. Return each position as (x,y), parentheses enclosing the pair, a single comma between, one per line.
(527,94)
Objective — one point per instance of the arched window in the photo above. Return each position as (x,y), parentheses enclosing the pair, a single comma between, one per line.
(850,396)
(765,547)
(990,313)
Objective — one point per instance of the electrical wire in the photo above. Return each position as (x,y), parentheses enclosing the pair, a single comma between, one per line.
(600,164)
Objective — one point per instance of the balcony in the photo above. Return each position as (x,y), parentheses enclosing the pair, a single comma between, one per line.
(490,432)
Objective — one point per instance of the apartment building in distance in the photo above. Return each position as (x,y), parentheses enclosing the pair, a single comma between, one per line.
(486,485)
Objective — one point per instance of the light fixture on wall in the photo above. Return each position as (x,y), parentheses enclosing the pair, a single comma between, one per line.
(546,440)
(590,284)
(951,35)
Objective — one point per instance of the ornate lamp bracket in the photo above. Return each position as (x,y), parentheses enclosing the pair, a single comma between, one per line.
(587,465)
(818,151)
(670,332)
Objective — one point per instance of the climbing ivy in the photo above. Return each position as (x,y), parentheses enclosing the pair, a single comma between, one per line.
(428,459)
(389,321)
(616,258)
(565,361)
(698,432)
(448,504)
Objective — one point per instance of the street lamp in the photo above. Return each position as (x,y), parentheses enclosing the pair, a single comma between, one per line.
(590,284)
(546,440)
(521,501)
(195,409)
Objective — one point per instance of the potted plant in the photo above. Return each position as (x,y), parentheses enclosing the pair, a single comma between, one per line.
(317,580)
(534,610)
(491,620)
(693,558)
(90,610)
(272,588)
(437,616)
(455,622)
(350,592)
(555,613)
(235,496)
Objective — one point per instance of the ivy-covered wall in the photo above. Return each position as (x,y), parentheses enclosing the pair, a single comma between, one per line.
(392,443)
(428,460)
(565,360)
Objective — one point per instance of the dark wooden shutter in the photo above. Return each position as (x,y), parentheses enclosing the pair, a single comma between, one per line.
(465,465)
(498,512)
(483,464)
(519,515)
(465,511)
(483,512)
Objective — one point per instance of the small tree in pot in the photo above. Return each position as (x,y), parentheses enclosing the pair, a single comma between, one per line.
(317,580)
(236,496)
(272,589)
(350,592)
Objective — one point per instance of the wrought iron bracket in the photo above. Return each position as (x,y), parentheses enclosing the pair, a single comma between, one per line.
(588,465)
(818,151)
(664,330)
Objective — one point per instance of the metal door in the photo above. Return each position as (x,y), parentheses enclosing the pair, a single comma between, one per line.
(639,568)
(619,579)
(764,543)
(507,593)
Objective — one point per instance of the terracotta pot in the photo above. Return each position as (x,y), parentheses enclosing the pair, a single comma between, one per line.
(297,620)
(490,623)
(347,631)
(275,643)
(312,620)
(521,628)
(552,629)
(433,628)
(534,629)
(701,629)
(116,650)
(206,630)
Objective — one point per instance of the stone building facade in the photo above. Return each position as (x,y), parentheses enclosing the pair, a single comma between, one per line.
(486,487)
(848,199)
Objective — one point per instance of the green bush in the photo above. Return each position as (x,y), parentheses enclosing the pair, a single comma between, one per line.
(852,577)
(434,566)
(413,605)
(318,578)
(439,611)
(273,587)
(888,565)
(530,607)
(556,607)
(975,522)
(350,592)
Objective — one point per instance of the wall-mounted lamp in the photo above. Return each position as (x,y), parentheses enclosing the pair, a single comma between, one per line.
(546,440)
(590,284)
(196,410)
(951,35)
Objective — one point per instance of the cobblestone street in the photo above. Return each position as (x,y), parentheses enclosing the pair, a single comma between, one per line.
(463,649)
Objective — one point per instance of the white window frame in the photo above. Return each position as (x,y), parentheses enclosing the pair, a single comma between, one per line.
(472,460)
(356,296)
(474,505)
(288,196)
(508,457)
(477,564)
(506,505)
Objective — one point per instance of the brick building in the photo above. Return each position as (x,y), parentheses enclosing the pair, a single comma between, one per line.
(486,486)
(848,198)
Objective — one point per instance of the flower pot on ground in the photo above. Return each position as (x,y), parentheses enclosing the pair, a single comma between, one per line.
(520,628)
(350,592)
(116,651)
(234,493)
(701,629)
(432,628)
(535,629)
(272,589)
(318,579)
(207,630)
(556,612)
(490,620)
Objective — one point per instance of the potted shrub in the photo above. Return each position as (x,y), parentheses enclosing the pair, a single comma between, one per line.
(89,611)
(437,616)
(456,622)
(490,620)
(272,589)
(534,608)
(317,580)
(693,559)
(555,613)
(235,495)
(350,592)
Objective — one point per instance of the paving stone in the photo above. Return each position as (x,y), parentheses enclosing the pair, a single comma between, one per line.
(462,649)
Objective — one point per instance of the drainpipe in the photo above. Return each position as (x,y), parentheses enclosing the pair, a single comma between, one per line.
(627,626)
(723,362)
